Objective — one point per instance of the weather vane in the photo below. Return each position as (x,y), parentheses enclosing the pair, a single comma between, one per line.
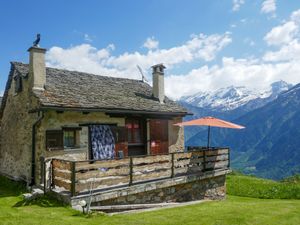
(37,40)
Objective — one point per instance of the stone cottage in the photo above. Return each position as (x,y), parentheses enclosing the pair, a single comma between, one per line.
(55,113)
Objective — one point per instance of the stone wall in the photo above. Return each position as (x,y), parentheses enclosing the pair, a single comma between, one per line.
(56,120)
(16,126)
(213,188)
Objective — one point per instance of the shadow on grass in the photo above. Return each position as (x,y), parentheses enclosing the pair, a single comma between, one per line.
(42,201)
(9,188)
(84,215)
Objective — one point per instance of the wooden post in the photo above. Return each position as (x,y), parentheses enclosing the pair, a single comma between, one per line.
(73,179)
(228,158)
(208,137)
(130,170)
(204,161)
(45,174)
(172,168)
(52,174)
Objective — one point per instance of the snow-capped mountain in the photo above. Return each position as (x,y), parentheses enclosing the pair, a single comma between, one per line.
(269,145)
(230,98)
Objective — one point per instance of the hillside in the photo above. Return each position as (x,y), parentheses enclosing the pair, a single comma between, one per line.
(249,186)
(269,146)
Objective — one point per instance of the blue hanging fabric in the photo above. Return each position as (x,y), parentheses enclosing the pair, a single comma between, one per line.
(102,142)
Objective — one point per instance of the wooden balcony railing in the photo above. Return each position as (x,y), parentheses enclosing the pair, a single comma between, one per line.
(80,176)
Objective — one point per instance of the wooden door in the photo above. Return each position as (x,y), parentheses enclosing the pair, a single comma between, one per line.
(159,136)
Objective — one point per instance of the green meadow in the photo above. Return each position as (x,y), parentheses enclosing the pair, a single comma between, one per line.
(250,200)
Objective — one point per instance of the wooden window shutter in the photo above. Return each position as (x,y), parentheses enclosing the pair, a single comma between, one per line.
(54,139)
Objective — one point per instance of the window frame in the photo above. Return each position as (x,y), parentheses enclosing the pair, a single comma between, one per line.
(74,136)
(61,138)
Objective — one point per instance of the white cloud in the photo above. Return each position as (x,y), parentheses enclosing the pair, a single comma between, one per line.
(290,51)
(283,63)
(151,43)
(233,25)
(244,20)
(83,57)
(250,73)
(236,4)
(282,34)
(287,38)
(296,16)
(101,61)
(269,6)
(259,73)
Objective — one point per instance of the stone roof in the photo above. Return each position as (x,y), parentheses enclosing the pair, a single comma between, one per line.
(72,89)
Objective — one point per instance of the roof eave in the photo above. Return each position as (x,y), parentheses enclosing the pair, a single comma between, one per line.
(117,111)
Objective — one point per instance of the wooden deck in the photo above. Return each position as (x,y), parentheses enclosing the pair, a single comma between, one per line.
(77,177)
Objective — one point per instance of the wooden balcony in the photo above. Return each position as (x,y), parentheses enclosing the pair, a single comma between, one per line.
(79,177)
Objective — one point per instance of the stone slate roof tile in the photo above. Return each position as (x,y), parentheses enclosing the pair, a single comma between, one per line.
(72,89)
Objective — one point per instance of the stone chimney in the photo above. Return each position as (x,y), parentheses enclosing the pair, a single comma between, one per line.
(37,67)
(158,82)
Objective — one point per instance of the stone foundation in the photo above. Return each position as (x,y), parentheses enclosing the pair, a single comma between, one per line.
(211,188)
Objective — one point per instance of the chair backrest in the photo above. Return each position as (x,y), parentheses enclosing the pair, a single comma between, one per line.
(120,154)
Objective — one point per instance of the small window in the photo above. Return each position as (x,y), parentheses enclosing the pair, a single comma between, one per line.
(62,139)
(69,138)
(18,84)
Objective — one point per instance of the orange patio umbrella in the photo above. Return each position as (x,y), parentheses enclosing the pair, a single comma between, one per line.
(210,122)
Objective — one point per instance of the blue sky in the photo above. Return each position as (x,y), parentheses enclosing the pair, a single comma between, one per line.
(205,44)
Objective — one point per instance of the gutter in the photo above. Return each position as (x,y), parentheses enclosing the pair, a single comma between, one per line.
(33,150)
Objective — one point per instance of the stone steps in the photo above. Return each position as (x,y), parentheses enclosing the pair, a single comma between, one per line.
(122,208)
(136,208)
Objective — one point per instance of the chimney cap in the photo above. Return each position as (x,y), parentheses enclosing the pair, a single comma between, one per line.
(158,68)
(158,65)
(38,49)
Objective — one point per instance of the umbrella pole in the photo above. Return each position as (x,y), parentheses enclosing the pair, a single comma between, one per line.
(208,137)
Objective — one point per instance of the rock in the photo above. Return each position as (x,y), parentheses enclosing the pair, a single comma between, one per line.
(27,196)
(37,191)
(161,194)
(131,198)
(77,207)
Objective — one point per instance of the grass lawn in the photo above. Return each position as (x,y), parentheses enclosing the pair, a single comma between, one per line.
(249,186)
(234,210)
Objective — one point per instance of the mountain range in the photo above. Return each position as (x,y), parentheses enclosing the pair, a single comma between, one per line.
(232,98)
(269,146)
